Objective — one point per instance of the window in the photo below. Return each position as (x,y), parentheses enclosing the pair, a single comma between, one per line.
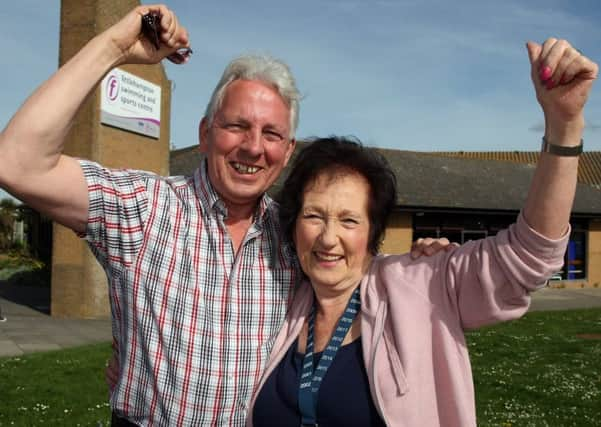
(461,227)
(574,267)
(467,235)
(458,227)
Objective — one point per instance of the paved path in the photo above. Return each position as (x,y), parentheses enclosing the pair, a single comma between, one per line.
(565,299)
(28,330)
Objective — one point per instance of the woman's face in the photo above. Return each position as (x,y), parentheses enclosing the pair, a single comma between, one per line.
(332,231)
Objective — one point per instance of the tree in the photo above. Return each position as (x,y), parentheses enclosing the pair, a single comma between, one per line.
(9,212)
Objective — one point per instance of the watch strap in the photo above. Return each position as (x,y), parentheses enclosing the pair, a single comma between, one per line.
(560,150)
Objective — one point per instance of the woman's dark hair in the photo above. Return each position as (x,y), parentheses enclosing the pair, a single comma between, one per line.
(339,155)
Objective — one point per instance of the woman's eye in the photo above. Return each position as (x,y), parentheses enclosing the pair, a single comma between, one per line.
(350,221)
(312,216)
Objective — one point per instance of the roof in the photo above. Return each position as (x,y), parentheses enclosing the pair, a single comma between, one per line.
(589,168)
(436,181)
(184,161)
(456,180)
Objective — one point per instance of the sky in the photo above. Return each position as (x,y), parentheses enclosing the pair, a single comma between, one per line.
(424,75)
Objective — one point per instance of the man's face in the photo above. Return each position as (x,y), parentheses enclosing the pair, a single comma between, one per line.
(248,143)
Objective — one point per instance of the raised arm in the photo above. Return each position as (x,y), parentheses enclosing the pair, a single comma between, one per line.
(489,280)
(562,79)
(32,166)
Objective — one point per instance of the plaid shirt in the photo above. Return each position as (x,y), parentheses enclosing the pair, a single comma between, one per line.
(193,322)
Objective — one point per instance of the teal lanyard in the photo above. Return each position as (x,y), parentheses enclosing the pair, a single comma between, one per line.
(311,380)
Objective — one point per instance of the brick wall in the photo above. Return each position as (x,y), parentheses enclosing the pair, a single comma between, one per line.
(79,286)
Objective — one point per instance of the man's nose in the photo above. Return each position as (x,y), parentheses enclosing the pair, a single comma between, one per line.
(253,142)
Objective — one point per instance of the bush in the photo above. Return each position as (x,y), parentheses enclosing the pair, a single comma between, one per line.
(22,270)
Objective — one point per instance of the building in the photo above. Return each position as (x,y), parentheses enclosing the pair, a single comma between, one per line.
(470,195)
(457,195)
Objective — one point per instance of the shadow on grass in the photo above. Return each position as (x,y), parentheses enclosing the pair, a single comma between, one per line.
(28,287)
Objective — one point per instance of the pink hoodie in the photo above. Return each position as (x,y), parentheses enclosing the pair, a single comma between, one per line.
(414,312)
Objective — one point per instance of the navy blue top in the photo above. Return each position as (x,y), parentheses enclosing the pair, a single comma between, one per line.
(344,397)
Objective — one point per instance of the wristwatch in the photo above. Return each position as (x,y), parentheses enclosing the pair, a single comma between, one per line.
(560,150)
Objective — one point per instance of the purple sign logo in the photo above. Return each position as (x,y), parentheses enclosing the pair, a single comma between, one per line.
(112,87)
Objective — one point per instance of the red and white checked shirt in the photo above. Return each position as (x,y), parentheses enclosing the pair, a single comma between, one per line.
(194,324)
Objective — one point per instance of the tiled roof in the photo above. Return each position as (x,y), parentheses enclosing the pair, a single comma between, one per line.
(184,161)
(428,180)
(589,169)
(456,180)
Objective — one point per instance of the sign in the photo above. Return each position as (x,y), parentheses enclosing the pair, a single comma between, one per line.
(131,103)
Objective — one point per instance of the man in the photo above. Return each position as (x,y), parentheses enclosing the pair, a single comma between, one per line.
(199,278)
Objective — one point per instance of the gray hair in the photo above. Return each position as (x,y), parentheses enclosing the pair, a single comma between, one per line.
(263,68)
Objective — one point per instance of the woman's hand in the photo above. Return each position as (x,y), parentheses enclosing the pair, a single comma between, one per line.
(430,246)
(562,78)
(133,48)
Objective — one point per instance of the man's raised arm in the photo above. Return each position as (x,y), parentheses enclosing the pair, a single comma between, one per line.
(32,166)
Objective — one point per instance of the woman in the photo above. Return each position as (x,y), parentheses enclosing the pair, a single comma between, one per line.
(390,329)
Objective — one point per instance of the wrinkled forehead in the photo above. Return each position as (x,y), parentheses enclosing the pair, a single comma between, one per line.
(331,175)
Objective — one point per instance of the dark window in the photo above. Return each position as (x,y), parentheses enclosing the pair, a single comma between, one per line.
(473,235)
(452,235)
(460,228)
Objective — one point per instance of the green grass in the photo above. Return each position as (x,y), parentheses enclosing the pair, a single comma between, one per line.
(537,371)
(59,388)
(531,372)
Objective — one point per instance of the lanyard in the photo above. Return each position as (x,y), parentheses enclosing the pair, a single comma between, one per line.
(311,380)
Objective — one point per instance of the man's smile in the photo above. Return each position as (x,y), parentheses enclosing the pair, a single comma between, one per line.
(245,169)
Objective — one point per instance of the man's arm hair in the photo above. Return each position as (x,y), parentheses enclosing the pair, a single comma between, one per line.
(32,166)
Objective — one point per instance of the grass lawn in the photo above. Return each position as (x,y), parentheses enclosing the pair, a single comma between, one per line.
(537,371)
(541,370)
(59,388)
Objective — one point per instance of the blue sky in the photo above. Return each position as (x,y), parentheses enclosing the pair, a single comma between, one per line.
(409,74)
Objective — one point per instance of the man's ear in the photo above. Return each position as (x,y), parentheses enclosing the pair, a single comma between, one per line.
(290,151)
(203,133)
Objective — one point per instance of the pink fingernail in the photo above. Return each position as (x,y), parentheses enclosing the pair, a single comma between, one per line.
(545,73)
